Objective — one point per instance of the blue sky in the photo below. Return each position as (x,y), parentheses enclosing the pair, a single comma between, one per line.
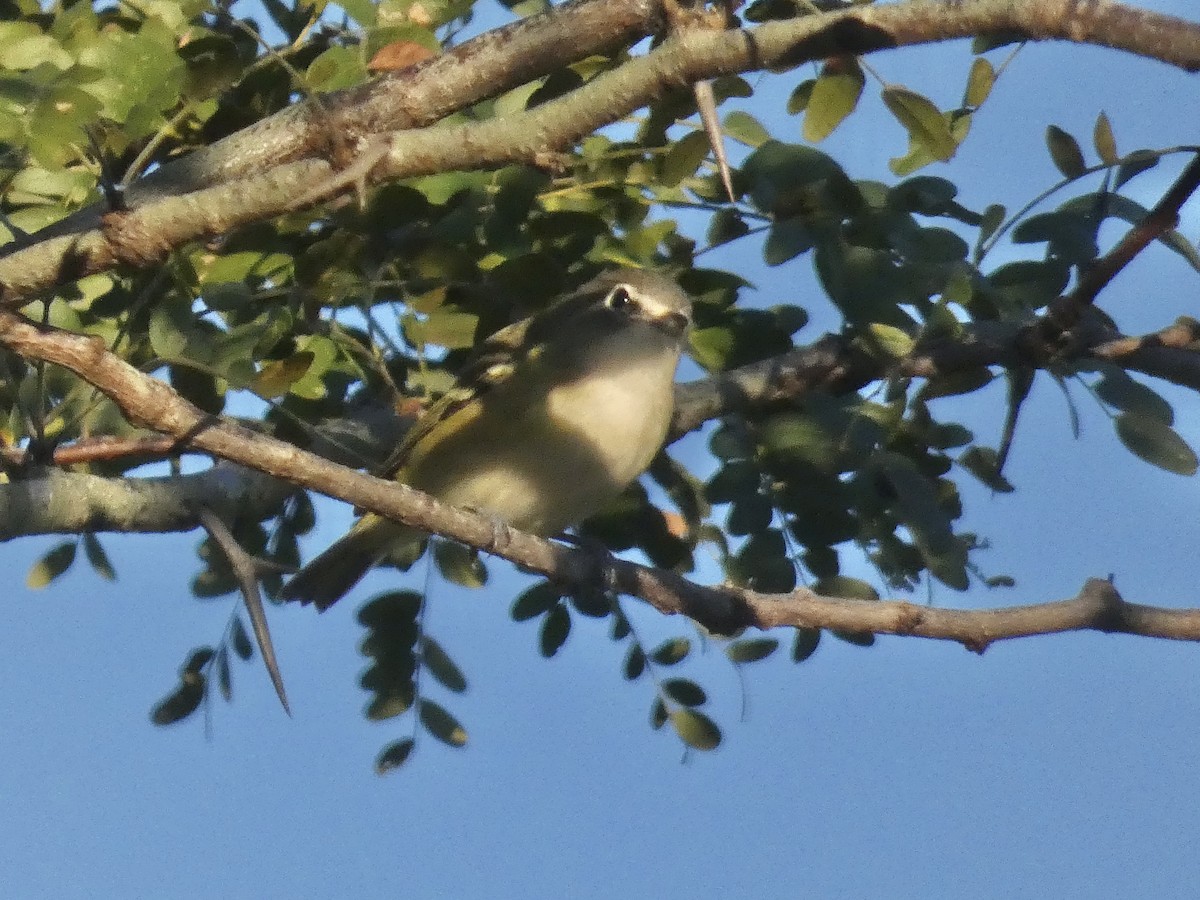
(1057,766)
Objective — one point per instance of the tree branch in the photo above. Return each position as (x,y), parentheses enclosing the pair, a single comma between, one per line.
(145,400)
(147,232)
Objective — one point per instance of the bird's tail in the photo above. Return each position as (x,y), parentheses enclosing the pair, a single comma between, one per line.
(328,577)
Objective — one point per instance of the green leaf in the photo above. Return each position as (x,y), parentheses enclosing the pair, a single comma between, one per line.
(556,626)
(751,650)
(1121,391)
(441,724)
(856,638)
(181,703)
(685,691)
(895,343)
(787,239)
(50,566)
(658,713)
(459,564)
(1135,164)
(743,127)
(696,729)
(798,100)
(926,126)
(979,83)
(535,602)
(97,557)
(804,644)
(684,158)
(1104,141)
(1065,152)
(240,639)
(672,651)
(726,225)
(845,586)
(983,463)
(1156,443)
(276,377)
(171,321)
(394,755)
(834,96)
(635,663)
(441,666)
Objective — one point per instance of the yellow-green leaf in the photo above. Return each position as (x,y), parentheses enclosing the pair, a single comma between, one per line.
(1105,141)
(277,376)
(50,566)
(924,122)
(892,341)
(745,128)
(979,83)
(833,98)
(696,729)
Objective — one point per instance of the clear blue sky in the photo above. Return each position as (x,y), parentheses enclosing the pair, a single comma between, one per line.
(1055,767)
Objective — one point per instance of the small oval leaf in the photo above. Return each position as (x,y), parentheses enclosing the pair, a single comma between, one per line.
(1065,152)
(685,691)
(393,756)
(751,650)
(441,724)
(555,629)
(1156,443)
(696,729)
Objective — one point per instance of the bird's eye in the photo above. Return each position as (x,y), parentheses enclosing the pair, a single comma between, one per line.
(620,298)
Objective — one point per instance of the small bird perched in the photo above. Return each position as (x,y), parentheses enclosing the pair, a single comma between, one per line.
(553,416)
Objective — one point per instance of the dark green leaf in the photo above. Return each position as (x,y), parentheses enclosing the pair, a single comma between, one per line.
(180,704)
(556,626)
(441,666)
(635,663)
(805,643)
(1118,389)
(1065,152)
(536,601)
(393,756)
(97,557)
(441,724)
(983,463)
(685,691)
(240,640)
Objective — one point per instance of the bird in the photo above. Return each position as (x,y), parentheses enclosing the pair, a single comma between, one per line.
(552,417)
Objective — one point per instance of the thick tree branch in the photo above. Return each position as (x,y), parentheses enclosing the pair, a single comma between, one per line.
(146,400)
(55,501)
(147,232)
(58,502)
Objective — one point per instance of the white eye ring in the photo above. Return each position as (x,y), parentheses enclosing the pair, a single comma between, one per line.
(620,297)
